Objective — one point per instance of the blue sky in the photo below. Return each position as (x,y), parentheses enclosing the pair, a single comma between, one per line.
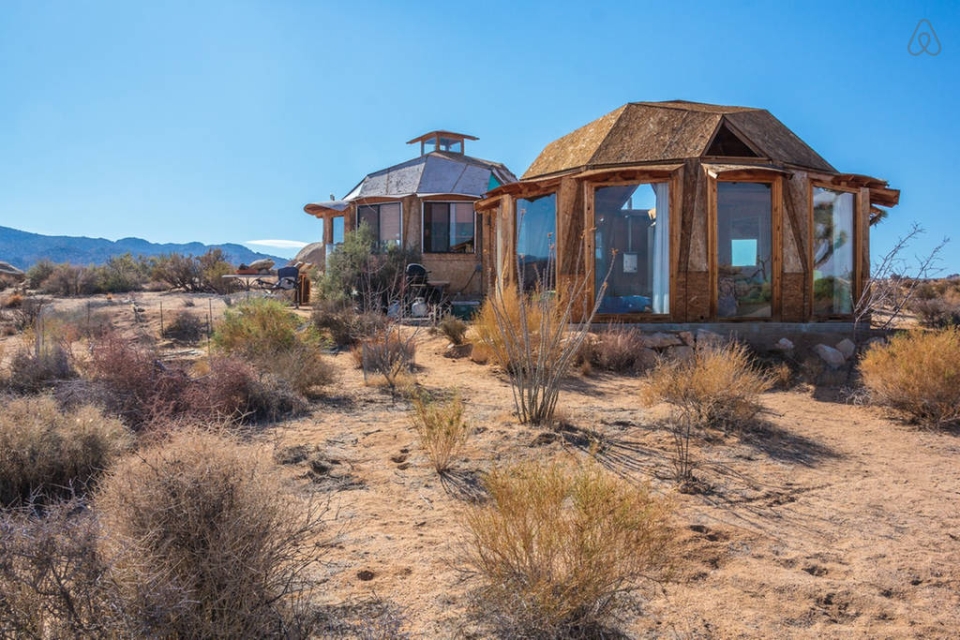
(218,120)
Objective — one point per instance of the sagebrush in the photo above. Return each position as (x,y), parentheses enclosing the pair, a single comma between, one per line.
(555,548)
(442,429)
(917,373)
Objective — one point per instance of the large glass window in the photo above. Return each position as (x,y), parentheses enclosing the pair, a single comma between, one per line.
(383,220)
(448,227)
(833,251)
(744,250)
(632,243)
(537,241)
(337,230)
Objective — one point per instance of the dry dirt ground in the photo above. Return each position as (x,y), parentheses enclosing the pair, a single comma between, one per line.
(828,520)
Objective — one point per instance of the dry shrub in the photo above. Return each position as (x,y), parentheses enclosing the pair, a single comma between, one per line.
(52,578)
(505,308)
(186,327)
(205,542)
(344,324)
(443,431)
(232,390)
(134,382)
(533,336)
(917,373)
(555,548)
(935,313)
(617,349)
(389,353)
(46,452)
(453,328)
(269,335)
(32,370)
(719,386)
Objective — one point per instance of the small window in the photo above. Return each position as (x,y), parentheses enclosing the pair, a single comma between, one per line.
(448,227)
(383,220)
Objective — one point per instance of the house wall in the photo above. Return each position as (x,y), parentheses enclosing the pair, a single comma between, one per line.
(693,246)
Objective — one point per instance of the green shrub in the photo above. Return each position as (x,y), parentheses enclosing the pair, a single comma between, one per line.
(917,373)
(39,272)
(205,541)
(46,452)
(344,325)
(364,274)
(554,547)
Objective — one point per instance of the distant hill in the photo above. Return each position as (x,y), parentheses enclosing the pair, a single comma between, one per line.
(22,249)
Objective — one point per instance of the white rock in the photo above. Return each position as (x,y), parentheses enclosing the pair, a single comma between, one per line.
(847,348)
(829,355)
(784,344)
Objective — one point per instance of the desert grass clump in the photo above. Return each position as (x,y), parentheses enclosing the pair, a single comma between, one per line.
(205,539)
(33,370)
(46,452)
(442,429)
(719,386)
(344,325)
(556,548)
(231,390)
(453,328)
(918,374)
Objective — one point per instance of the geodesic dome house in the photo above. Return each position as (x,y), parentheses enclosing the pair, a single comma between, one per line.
(690,213)
(426,203)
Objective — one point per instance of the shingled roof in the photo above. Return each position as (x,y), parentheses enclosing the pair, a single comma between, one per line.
(658,132)
(434,173)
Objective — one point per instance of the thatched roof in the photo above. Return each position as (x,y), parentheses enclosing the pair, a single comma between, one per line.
(658,132)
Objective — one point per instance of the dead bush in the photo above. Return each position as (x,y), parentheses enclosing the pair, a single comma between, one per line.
(442,430)
(345,325)
(52,579)
(232,390)
(618,349)
(390,353)
(917,373)
(46,452)
(32,370)
(206,542)
(556,548)
(186,327)
(136,384)
(935,313)
(718,387)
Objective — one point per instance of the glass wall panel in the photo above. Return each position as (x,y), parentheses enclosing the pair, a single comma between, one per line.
(632,244)
(744,250)
(383,220)
(338,230)
(833,251)
(448,227)
(537,241)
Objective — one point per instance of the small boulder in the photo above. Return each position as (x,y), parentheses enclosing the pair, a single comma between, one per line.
(660,340)
(784,344)
(264,264)
(688,338)
(833,358)
(681,353)
(646,359)
(457,351)
(705,338)
(847,348)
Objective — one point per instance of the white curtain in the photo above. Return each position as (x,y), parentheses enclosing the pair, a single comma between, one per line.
(842,258)
(661,249)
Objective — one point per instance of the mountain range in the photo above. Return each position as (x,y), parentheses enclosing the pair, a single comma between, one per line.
(22,249)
